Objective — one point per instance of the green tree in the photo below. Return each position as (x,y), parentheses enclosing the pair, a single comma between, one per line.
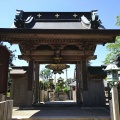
(113,48)
(118,20)
(45,74)
(12,57)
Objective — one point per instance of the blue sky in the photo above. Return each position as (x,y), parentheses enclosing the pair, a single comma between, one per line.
(107,10)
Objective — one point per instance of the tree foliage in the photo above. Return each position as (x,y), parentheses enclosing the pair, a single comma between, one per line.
(118,20)
(45,74)
(113,48)
(12,57)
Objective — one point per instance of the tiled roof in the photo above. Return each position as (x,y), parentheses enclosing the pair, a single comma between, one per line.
(57,20)
(96,70)
(19,70)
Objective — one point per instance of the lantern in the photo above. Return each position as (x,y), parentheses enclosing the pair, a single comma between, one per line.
(112,72)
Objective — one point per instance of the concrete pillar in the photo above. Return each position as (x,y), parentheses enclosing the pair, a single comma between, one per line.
(78,80)
(36,82)
(115,104)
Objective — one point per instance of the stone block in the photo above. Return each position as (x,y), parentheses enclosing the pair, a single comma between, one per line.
(74,96)
(2,97)
(3,110)
(43,96)
(9,109)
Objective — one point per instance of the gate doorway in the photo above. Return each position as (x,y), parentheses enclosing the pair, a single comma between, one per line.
(56,89)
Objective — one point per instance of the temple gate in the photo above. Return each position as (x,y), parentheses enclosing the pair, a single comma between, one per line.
(57,37)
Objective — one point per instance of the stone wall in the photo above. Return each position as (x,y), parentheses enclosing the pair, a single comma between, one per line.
(58,97)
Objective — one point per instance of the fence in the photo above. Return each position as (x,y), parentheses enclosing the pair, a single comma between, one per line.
(107,95)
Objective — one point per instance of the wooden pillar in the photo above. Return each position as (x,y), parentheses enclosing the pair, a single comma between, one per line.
(30,75)
(36,82)
(78,80)
(84,73)
(30,83)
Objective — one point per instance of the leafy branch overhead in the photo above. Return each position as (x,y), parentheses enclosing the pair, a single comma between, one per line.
(113,48)
(118,20)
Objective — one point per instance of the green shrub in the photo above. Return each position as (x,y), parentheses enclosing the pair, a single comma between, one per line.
(64,89)
(57,89)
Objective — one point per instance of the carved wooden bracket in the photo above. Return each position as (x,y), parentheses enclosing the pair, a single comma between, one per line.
(27,46)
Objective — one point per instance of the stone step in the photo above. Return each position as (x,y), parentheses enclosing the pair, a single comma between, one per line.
(63,118)
(58,113)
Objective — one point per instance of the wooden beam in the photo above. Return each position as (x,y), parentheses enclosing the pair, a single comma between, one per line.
(51,52)
(50,59)
(58,36)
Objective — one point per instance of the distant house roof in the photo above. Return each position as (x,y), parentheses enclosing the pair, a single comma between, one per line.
(57,20)
(19,70)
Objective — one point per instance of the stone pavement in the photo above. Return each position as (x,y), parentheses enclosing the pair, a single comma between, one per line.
(60,113)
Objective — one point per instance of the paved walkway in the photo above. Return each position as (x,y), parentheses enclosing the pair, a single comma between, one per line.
(60,113)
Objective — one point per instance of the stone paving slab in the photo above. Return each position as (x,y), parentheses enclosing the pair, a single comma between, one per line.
(63,113)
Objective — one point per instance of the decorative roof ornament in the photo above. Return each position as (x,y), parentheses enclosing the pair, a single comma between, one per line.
(85,22)
(39,15)
(95,23)
(57,15)
(75,15)
(18,21)
(94,15)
